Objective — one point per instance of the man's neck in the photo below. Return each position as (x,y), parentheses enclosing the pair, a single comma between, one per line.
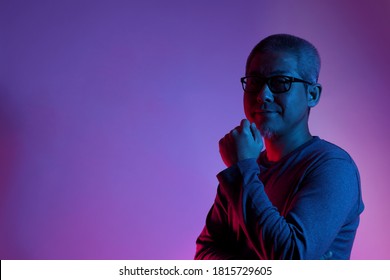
(281,146)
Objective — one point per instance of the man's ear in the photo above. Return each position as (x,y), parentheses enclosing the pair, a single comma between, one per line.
(313,94)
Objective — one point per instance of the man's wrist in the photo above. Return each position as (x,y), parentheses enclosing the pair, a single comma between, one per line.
(248,165)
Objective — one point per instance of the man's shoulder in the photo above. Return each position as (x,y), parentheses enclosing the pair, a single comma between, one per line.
(326,150)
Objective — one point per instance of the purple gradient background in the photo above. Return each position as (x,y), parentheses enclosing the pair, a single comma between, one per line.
(111,111)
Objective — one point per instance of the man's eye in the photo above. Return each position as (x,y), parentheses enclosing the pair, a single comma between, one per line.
(260,81)
(280,80)
(252,82)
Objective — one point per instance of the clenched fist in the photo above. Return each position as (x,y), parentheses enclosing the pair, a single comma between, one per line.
(243,142)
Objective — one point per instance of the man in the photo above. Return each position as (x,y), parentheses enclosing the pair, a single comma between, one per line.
(300,198)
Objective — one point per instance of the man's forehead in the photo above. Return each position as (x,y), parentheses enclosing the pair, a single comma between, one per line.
(273,63)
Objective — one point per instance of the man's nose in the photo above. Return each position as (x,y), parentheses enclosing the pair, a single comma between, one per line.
(265,95)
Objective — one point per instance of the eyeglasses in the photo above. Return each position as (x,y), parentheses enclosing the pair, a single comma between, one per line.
(276,84)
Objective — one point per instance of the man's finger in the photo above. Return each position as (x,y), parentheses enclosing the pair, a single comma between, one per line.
(224,139)
(255,132)
(238,128)
(234,133)
(245,124)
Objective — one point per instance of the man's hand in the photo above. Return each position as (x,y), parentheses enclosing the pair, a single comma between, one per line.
(241,143)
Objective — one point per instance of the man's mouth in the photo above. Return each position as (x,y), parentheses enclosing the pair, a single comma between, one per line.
(265,112)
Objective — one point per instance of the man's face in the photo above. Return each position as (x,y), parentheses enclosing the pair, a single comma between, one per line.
(279,114)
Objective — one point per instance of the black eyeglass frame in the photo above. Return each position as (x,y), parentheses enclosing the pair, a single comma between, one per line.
(266,80)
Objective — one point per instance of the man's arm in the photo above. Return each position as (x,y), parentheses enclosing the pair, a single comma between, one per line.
(213,243)
(328,195)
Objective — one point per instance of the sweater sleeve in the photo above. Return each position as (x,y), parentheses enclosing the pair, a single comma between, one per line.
(328,195)
(216,241)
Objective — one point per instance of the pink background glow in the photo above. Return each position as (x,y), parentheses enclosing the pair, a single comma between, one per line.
(111,111)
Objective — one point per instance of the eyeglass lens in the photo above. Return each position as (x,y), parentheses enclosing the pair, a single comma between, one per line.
(276,84)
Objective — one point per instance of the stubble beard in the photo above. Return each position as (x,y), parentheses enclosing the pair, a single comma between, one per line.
(268,133)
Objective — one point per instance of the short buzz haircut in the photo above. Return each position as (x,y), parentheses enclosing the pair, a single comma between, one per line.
(309,61)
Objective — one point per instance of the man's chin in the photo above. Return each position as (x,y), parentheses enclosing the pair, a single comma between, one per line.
(268,133)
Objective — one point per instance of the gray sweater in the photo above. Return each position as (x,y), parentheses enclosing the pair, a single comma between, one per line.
(305,206)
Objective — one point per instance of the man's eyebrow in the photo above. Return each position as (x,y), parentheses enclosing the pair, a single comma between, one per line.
(273,73)
(256,73)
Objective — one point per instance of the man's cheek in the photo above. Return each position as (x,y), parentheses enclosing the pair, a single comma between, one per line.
(247,110)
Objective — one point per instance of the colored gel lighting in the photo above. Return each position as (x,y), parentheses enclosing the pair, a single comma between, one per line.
(111,113)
